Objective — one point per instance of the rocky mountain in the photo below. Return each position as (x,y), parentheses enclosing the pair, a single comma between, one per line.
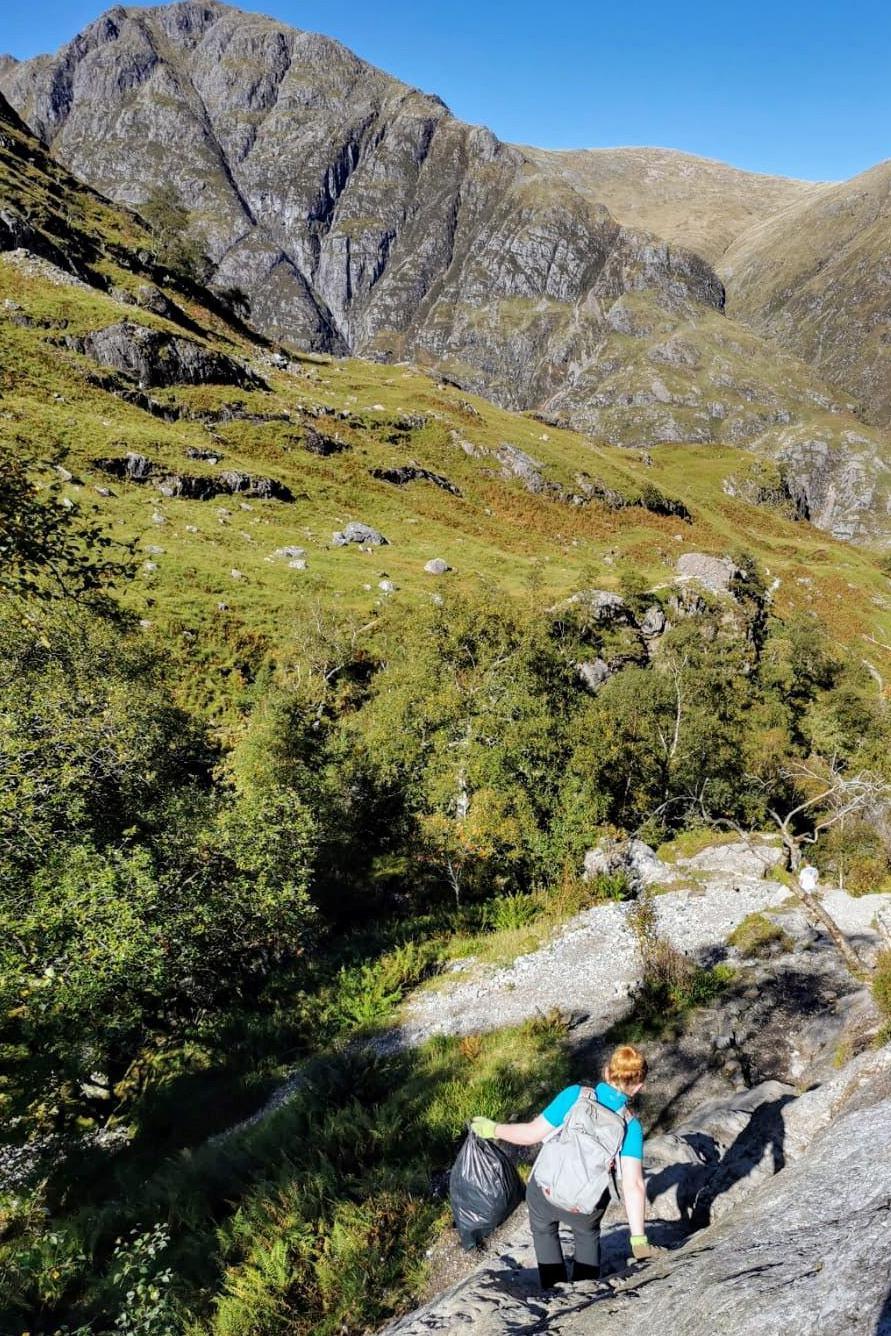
(817,279)
(690,201)
(233,464)
(360,216)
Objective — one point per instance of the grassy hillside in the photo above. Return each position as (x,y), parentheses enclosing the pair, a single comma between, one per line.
(690,201)
(496,530)
(814,277)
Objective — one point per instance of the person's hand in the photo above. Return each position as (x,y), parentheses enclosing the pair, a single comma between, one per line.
(483,1127)
(643,1249)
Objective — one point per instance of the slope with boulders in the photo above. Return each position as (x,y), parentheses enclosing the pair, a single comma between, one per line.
(350,213)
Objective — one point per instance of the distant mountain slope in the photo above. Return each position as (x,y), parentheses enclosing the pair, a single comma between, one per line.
(357,212)
(817,278)
(690,201)
(232,465)
(360,216)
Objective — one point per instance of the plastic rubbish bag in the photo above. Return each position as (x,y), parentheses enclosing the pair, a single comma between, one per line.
(484,1187)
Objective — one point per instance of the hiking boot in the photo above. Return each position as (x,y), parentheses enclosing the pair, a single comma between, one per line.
(551,1274)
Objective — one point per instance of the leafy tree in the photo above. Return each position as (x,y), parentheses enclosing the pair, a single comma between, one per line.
(177,245)
(468,719)
(47,548)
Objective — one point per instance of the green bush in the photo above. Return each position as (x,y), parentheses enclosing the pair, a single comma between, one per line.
(506,912)
(756,934)
(881,983)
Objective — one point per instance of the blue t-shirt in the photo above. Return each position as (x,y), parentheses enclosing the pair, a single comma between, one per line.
(559,1107)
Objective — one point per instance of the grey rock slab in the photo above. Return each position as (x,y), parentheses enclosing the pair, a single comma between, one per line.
(713,573)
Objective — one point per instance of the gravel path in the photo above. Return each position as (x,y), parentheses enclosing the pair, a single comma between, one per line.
(592,964)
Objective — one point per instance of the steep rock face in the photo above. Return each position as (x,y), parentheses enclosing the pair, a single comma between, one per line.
(358,215)
(155,358)
(798,1243)
(356,212)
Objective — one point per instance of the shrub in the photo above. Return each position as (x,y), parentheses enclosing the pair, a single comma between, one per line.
(506,912)
(881,983)
(757,934)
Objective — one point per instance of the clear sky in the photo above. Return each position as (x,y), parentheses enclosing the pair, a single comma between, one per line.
(786,86)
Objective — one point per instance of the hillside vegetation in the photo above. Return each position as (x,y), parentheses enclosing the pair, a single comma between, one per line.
(257,781)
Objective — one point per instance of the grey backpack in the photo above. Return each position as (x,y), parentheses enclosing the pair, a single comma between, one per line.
(577,1163)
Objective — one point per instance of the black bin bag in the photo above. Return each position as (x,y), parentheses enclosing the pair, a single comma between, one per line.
(484,1187)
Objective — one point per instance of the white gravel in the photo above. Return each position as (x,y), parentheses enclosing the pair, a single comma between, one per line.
(592,964)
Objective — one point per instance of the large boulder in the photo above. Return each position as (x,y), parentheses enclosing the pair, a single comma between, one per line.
(633,857)
(355,532)
(715,574)
(602,606)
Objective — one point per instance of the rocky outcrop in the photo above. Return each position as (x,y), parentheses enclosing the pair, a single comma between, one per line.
(137,468)
(405,473)
(154,358)
(799,1246)
(715,574)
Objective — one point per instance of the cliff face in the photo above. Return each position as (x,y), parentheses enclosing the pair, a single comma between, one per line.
(356,212)
(358,215)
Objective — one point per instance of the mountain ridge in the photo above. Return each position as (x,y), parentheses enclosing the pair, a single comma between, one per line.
(360,216)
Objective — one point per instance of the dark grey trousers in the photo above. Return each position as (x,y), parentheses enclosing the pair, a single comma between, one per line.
(545,1221)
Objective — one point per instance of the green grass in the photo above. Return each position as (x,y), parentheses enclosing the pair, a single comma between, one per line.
(756,935)
(316,1220)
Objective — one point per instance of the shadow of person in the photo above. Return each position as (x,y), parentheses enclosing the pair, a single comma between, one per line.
(883,1326)
(757,1149)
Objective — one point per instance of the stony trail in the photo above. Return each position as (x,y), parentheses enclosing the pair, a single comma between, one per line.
(592,964)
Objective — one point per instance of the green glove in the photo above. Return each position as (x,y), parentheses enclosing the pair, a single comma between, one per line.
(642,1248)
(484,1127)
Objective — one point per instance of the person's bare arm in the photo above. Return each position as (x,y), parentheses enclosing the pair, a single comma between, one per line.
(524,1134)
(634,1194)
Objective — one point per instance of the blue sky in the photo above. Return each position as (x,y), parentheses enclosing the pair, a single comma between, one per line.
(794,88)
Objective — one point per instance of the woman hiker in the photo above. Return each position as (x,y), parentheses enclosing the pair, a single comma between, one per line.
(623,1077)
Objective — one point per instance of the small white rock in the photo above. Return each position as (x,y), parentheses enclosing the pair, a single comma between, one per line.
(236,574)
(158,518)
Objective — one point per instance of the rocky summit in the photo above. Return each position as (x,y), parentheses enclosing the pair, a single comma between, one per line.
(358,215)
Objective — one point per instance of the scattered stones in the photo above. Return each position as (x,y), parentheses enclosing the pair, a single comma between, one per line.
(437,566)
(298,564)
(236,574)
(387,586)
(289,552)
(158,518)
(154,550)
